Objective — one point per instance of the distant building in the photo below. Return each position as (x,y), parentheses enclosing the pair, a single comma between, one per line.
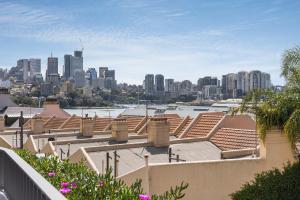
(46,89)
(207,80)
(149,84)
(73,64)
(52,69)
(102,71)
(185,87)
(79,79)
(255,80)
(34,66)
(91,76)
(169,85)
(67,87)
(159,84)
(23,66)
(243,83)
(265,80)
(229,85)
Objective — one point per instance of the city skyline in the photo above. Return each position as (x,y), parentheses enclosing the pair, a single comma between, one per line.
(136,38)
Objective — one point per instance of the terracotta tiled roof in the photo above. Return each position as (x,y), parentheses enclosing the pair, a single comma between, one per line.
(102,123)
(73,122)
(204,125)
(27,124)
(185,126)
(230,139)
(133,122)
(54,123)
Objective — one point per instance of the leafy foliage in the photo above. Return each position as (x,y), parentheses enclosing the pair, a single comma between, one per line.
(280,110)
(89,185)
(273,185)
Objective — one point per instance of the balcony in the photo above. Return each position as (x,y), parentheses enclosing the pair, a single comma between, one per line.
(19,181)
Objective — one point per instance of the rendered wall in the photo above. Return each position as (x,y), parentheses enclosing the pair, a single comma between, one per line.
(215,180)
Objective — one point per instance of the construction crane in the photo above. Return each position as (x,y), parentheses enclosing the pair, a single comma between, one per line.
(82,47)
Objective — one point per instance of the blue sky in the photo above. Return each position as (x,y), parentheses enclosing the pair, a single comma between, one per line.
(182,39)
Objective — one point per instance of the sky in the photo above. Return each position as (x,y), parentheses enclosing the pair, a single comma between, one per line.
(181,39)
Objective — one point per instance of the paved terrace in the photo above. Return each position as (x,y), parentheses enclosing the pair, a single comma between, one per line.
(133,158)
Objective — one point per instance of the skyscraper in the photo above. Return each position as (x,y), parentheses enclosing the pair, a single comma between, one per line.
(23,65)
(72,64)
(109,79)
(149,84)
(159,84)
(52,65)
(102,71)
(52,71)
(34,66)
(67,66)
(91,75)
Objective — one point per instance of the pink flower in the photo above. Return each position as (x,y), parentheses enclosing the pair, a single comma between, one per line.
(101,184)
(144,197)
(51,174)
(64,184)
(65,190)
(74,185)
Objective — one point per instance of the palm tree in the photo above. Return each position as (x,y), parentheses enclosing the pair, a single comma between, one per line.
(281,110)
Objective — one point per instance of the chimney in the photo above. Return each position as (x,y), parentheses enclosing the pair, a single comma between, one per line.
(87,126)
(158,132)
(120,130)
(37,125)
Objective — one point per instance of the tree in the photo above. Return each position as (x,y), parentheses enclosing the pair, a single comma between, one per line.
(273,184)
(281,110)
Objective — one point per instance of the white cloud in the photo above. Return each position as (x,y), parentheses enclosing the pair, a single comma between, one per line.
(213,51)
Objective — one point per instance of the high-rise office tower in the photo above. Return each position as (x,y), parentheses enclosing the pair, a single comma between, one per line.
(34,66)
(79,78)
(109,79)
(67,66)
(52,65)
(159,84)
(102,71)
(91,76)
(149,84)
(23,65)
(72,64)
(52,71)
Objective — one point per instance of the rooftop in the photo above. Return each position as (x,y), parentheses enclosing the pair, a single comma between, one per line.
(133,158)
(232,139)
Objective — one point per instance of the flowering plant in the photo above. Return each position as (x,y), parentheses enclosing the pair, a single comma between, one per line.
(76,181)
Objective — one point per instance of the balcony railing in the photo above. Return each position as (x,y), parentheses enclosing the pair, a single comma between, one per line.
(19,181)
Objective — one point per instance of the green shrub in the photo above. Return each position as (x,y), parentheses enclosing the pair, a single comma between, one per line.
(76,181)
(273,185)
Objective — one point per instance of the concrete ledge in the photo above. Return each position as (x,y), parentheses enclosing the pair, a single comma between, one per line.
(117,146)
(237,153)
